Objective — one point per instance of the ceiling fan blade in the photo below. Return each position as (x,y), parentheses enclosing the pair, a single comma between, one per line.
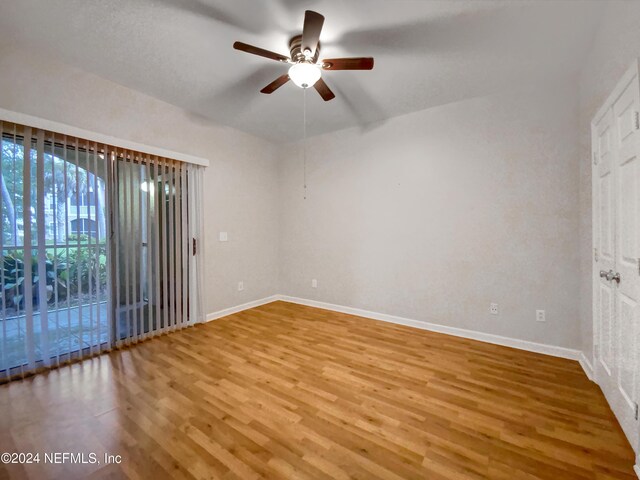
(276,84)
(359,63)
(324,91)
(260,51)
(313,22)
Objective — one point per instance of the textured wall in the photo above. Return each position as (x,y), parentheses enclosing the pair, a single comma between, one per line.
(241,181)
(615,46)
(436,214)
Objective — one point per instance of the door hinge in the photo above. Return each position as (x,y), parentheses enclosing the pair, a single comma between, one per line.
(636,411)
(637,120)
(595,254)
(639,266)
(595,158)
(195,247)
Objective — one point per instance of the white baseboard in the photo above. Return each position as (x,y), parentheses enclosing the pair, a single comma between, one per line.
(240,308)
(552,350)
(636,468)
(458,332)
(587,366)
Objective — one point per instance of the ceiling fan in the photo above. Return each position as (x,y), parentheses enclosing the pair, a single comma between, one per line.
(305,71)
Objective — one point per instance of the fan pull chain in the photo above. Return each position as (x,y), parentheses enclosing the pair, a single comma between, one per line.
(304,140)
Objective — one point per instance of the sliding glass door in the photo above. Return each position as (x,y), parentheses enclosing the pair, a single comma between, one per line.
(54,278)
(98,247)
(153,246)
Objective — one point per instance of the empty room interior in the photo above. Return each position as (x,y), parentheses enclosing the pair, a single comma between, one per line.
(276,239)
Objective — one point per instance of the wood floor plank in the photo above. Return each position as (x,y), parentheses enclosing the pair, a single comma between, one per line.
(286,391)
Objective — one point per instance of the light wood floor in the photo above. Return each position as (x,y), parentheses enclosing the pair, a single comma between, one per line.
(285,391)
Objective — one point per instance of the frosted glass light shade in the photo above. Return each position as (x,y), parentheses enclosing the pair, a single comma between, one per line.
(304,75)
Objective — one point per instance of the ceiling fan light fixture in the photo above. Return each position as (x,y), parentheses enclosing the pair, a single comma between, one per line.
(304,52)
(304,74)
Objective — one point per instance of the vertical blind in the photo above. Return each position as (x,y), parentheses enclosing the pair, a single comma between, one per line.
(156,228)
(100,247)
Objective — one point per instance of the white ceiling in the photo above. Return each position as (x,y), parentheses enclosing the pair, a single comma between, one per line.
(427,53)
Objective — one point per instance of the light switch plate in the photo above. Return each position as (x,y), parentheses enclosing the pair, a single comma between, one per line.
(223,236)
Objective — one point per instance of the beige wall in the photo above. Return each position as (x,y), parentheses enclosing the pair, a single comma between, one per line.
(434,215)
(615,46)
(241,181)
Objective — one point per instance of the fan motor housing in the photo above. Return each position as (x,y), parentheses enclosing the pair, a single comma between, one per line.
(295,48)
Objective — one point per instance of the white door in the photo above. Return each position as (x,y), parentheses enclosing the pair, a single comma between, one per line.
(626,142)
(616,194)
(604,236)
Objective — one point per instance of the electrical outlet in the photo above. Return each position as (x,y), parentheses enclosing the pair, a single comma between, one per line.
(223,237)
(493,309)
(314,283)
(240,286)
(540,316)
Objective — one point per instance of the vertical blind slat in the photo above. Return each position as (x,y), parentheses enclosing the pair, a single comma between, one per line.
(15,242)
(96,229)
(178,244)
(28,272)
(86,227)
(78,256)
(156,244)
(126,246)
(107,195)
(185,244)
(171,251)
(132,246)
(115,240)
(165,250)
(66,244)
(3,357)
(41,230)
(55,193)
(139,246)
(149,269)
(192,258)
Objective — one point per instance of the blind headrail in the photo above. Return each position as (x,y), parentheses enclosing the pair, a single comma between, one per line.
(90,137)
